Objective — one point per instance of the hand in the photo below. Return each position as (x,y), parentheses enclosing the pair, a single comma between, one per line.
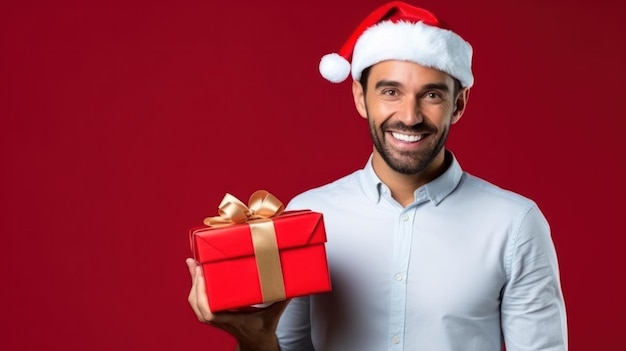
(255,331)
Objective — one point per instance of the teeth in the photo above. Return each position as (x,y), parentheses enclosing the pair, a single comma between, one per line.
(408,138)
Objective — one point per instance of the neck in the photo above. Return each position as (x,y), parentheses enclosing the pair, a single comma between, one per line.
(403,186)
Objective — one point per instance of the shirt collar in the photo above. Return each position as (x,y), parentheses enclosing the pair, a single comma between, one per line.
(435,191)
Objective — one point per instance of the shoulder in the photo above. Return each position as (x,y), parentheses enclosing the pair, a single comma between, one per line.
(488,194)
(319,197)
(502,207)
(478,198)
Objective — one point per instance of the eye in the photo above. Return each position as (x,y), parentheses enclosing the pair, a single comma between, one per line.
(433,96)
(390,92)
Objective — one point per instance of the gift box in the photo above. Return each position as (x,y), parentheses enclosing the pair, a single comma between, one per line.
(268,256)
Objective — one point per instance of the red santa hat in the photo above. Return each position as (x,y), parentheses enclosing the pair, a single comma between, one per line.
(398,31)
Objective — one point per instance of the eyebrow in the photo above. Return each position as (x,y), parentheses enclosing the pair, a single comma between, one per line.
(437,86)
(429,86)
(386,83)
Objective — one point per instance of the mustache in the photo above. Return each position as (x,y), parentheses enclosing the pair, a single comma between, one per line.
(401,127)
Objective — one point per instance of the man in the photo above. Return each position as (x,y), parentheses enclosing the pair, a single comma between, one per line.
(423,256)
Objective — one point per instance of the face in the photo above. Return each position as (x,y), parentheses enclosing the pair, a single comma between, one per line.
(409,108)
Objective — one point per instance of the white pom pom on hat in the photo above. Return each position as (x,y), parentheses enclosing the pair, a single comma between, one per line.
(334,67)
(398,31)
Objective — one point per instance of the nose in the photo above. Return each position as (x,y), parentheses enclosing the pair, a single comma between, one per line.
(410,112)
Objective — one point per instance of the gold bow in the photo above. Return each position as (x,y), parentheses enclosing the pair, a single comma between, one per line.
(262,204)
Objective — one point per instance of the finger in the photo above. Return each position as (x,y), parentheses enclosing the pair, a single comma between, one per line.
(192,298)
(201,297)
(191,264)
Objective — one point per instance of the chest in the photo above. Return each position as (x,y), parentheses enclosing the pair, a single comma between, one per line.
(436,262)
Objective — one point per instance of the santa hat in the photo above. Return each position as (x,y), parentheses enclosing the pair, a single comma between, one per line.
(398,31)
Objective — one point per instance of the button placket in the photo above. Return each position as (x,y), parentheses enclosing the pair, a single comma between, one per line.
(402,253)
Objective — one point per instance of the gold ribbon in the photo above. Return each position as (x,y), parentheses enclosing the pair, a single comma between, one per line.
(261,207)
(262,204)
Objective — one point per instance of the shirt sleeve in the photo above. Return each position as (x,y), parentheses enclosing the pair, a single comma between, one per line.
(294,326)
(533,310)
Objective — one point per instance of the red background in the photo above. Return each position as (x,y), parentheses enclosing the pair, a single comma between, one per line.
(124,123)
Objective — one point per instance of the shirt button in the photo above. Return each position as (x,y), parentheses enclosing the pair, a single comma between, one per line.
(405,218)
(398,277)
(396,340)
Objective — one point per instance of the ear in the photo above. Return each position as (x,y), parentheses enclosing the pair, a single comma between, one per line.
(359,98)
(460,105)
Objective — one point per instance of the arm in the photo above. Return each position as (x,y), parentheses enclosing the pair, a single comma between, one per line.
(254,331)
(294,328)
(533,311)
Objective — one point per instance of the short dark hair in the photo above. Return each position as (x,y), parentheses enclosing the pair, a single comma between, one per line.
(366,73)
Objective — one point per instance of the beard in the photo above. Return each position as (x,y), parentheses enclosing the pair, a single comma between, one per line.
(407,162)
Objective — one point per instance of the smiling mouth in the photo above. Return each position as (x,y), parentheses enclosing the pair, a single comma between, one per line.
(409,138)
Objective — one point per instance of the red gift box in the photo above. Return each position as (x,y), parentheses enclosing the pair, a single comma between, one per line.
(262,260)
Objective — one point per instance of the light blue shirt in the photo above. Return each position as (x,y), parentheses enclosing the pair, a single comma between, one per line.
(467,266)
